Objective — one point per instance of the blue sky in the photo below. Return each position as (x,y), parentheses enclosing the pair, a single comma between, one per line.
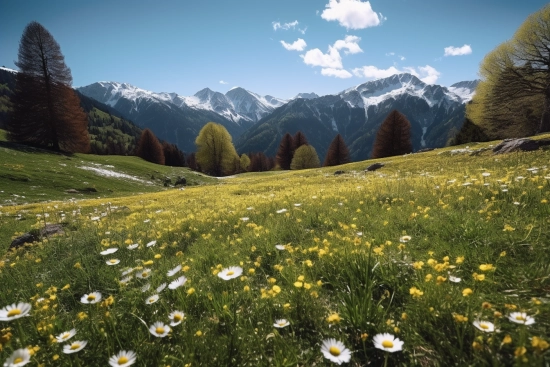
(330,45)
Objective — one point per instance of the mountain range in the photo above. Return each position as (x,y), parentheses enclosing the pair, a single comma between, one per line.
(257,123)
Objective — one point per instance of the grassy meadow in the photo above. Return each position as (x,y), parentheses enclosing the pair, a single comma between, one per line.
(447,251)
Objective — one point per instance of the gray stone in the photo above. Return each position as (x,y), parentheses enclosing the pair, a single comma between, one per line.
(515,145)
(374,167)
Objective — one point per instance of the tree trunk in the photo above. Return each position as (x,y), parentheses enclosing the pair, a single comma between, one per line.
(545,119)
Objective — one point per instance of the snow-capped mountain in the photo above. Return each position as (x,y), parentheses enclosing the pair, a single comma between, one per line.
(435,113)
(306,95)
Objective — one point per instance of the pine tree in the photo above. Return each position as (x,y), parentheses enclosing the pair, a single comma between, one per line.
(338,152)
(46,110)
(298,140)
(149,148)
(285,152)
(258,162)
(172,155)
(393,137)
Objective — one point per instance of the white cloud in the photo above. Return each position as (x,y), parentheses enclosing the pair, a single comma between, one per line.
(390,54)
(402,58)
(338,73)
(458,51)
(350,44)
(223,82)
(285,26)
(427,74)
(302,31)
(352,14)
(374,73)
(298,45)
(316,57)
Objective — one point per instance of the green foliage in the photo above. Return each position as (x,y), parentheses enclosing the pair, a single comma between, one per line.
(244,162)
(305,157)
(215,151)
(110,134)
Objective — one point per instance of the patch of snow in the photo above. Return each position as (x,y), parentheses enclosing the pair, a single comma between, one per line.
(110,173)
(334,127)
(465,94)
(422,141)
(8,70)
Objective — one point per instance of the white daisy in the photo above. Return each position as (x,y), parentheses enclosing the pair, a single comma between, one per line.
(161,287)
(281,323)
(151,244)
(454,279)
(144,273)
(152,299)
(112,261)
(108,251)
(335,351)
(245,219)
(176,317)
(74,347)
(159,329)
(281,211)
(15,311)
(387,342)
(127,271)
(126,280)
(485,326)
(521,318)
(63,337)
(132,246)
(174,271)
(93,297)
(231,272)
(297,204)
(280,247)
(146,287)
(123,358)
(405,239)
(18,358)
(177,283)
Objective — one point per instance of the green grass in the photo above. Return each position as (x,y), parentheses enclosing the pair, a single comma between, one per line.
(345,272)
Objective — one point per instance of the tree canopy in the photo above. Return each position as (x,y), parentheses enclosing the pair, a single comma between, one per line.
(305,157)
(215,151)
(285,152)
(149,148)
(46,110)
(513,97)
(393,137)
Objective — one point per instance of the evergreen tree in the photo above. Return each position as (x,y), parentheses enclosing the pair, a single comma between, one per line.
(192,162)
(338,152)
(215,150)
(258,162)
(305,157)
(172,155)
(149,148)
(298,140)
(285,152)
(393,137)
(46,110)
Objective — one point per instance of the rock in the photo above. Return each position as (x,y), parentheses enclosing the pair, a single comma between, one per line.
(21,240)
(181,181)
(424,150)
(374,167)
(71,191)
(47,231)
(524,145)
(339,172)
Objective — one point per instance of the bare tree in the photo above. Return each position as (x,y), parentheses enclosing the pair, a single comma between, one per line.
(46,110)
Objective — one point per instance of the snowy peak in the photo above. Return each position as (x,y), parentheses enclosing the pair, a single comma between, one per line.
(8,70)
(250,105)
(465,90)
(306,96)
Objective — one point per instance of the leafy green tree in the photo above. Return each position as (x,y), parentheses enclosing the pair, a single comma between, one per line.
(215,151)
(515,82)
(244,162)
(149,148)
(305,157)
(393,137)
(338,152)
(46,110)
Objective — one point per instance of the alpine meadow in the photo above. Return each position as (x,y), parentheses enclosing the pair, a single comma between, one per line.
(371,215)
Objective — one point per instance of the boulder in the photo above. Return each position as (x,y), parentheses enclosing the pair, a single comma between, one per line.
(515,145)
(46,231)
(181,181)
(374,167)
(339,172)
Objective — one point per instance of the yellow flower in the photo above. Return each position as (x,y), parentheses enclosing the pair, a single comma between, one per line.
(246,288)
(364,336)
(82,315)
(428,277)
(479,277)
(503,253)
(276,289)
(459,260)
(286,306)
(77,266)
(486,267)
(459,318)
(520,351)
(298,284)
(198,333)
(301,278)
(486,305)
(539,344)
(334,318)
(477,346)
(418,265)
(307,285)
(507,339)
(190,291)
(67,286)
(404,316)
(158,256)
(415,292)
(466,292)
(508,228)
(441,279)
(251,271)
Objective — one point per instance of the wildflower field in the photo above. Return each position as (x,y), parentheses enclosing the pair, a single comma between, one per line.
(437,259)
